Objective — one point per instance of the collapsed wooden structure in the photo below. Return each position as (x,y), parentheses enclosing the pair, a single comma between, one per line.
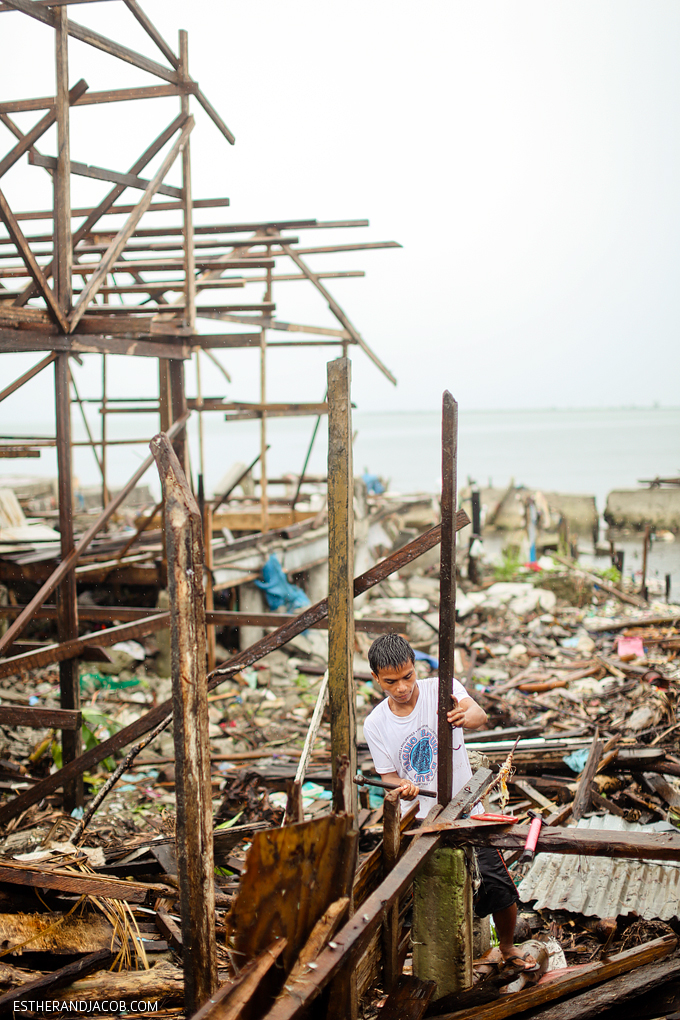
(81,285)
(338,925)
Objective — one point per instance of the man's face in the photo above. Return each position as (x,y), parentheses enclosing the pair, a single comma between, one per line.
(398,683)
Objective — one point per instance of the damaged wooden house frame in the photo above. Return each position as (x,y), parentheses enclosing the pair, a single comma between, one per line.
(71,276)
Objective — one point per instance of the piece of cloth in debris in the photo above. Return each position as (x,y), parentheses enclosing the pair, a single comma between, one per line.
(278,590)
(407,744)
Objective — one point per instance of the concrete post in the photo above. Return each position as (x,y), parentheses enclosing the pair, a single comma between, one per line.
(442,922)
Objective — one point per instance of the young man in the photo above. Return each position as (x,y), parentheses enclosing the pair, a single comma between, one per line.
(402,737)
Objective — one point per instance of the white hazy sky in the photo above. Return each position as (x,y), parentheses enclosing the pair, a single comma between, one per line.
(525,154)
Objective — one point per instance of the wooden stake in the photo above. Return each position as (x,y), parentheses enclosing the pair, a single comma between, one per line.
(447,596)
(341,571)
(390,856)
(67,598)
(194,843)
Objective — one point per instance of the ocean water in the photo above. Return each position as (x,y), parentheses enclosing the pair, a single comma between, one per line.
(583,451)
(580,451)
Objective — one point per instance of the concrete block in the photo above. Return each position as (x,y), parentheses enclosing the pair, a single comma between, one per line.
(442,922)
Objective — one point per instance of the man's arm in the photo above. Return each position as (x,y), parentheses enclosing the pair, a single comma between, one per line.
(467,714)
(409,791)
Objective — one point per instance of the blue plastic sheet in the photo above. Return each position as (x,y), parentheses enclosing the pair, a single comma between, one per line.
(278,590)
(373,484)
(577,759)
(429,659)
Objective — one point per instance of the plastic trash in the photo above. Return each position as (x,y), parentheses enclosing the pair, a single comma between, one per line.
(577,759)
(278,590)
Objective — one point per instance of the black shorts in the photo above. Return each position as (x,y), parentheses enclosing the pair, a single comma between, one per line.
(497,890)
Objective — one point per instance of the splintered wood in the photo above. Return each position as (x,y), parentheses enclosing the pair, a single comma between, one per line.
(292,877)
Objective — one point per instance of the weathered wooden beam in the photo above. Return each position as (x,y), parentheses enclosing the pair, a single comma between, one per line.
(218,618)
(39,718)
(390,855)
(19,340)
(447,597)
(73,882)
(194,842)
(341,689)
(110,96)
(583,792)
(56,979)
(74,648)
(98,173)
(269,643)
(636,846)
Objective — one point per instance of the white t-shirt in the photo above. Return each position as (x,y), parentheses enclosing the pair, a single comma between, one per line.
(407,744)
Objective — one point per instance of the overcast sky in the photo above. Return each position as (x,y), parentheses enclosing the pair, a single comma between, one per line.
(525,154)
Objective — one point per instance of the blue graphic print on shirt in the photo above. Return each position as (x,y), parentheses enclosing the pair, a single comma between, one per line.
(419,755)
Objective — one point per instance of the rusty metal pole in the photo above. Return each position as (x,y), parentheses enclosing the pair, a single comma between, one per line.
(341,574)
(447,596)
(194,840)
(67,612)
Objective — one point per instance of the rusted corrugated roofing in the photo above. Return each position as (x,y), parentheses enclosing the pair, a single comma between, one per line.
(603,886)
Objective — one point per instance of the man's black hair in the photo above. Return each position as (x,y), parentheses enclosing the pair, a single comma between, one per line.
(389,651)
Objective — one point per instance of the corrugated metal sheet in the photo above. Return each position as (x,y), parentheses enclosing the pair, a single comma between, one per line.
(603,886)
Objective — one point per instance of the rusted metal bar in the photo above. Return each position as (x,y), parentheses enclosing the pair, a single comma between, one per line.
(390,855)
(68,650)
(269,643)
(194,843)
(447,597)
(341,571)
(70,561)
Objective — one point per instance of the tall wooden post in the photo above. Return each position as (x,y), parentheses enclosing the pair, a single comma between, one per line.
(341,571)
(194,841)
(67,604)
(447,596)
(264,495)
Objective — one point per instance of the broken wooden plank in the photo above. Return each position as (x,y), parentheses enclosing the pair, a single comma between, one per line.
(169,929)
(230,1001)
(585,977)
(583,794)
(616,992)
(409,1000)
(655,846)
(194,842)
(49,983)
(341,689)
(322,932)
(292,876)
(391,846)
(447,598)
(83,884)
(40,718)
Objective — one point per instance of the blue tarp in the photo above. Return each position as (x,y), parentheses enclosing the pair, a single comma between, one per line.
(429,659)
(278,590)
(373,484)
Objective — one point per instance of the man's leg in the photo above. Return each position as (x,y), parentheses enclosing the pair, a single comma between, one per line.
(505,921)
